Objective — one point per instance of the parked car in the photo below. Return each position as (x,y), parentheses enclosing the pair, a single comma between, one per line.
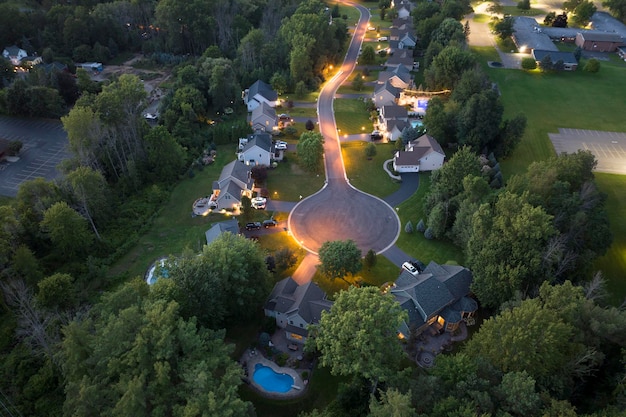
(383,39)
(280,145)
(253,226)
(407,266)
(259,203)
(418,264)
(270,223)
(376,135)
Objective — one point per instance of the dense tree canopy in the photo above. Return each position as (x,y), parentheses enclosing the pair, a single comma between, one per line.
(340,258)
(311,151)
(357,336)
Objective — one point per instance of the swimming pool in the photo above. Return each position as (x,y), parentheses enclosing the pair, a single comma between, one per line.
(271,381)
(416,123)
(154,273)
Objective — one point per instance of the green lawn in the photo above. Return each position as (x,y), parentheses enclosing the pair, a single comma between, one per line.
(369,175)
(351,116)
(415,244)
(481,18)
(288,182)
(300,112)
(613,264)
(514,11)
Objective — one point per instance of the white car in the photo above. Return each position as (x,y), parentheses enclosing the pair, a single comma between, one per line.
(407,266)
(259,203)
(371,28)
(280,145)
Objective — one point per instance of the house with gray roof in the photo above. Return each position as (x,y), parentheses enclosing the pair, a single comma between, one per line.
(598,41)
(295,307)
(227,226)
(257,150)
(439,297)
(567,58)
(386,95)
(14,54)
(422,154)
(263,118)
(234,182)
(399,77)
(258,93)
(401,57)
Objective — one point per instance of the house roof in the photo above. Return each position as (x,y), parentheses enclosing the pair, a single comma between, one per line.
(426,141)
(401,57)
(261,139)
(263,89)
(595,36)
(394,112)
(14,50)
(566,57)
(387,86)
(307,300)
(405,158)
(402,24)
(235,170)
(400,125)
(438,287)
(263,110)
(221,227)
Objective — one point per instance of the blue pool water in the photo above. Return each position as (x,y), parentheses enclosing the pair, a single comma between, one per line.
(270,380)
(416,123)
(153,274)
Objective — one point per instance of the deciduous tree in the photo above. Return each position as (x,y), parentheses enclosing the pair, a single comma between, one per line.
(339,258)
(311,151)
(358,336)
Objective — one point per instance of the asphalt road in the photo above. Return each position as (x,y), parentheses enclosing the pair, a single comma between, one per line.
(339,211)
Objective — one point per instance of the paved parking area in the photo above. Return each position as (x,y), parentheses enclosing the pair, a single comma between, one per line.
(45,145)
(609,148)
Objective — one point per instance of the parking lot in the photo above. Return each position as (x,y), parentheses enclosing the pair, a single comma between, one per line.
(609,148)
(45,145)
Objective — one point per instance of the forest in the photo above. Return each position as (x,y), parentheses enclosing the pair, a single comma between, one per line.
(80,341)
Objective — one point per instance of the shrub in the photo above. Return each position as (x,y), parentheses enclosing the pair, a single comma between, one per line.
(421,227)
(305,375)
(285,258)
(281,359)
(14,148)
(370,259)
(290,130)
(428,234)
(529,63)
(309,125)
(370,150)
(593,66)
(409,227)
(523,5)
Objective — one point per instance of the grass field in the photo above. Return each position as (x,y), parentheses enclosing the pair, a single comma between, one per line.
(576,100)
(514,11)
(369,175)
(351,116)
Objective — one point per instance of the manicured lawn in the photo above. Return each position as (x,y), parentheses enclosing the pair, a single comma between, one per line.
(415,244)
(369,175)
(301,112)
(613,264)
(565,99)
(383,271)
(351,116)
(288,182)
(514,11)
(481,18)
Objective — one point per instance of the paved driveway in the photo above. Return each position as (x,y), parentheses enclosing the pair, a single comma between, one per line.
(45,145)
(609,148)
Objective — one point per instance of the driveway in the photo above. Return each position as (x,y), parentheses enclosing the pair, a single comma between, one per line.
(339,211)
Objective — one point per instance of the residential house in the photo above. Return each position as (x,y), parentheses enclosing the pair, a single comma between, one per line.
(402,57)
(385,95)
(403,8)
(403,24)
(295,307)
(438,298)
(598,41)
(31,61)
(422,154)
(400,77)
(258,93)
(257,150)
(263,118)
(234,182)
(392,120)
(568,58)
(227,226)
(14,54)
(90,66)
(54,67)
(407,41)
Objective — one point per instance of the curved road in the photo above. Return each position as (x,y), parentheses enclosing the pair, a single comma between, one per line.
(339,211)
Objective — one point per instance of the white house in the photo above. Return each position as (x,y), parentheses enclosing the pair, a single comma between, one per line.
(14,54)
(258,93)
(295,307)
(263,118)
(422,154)
(234,182)
(257,150)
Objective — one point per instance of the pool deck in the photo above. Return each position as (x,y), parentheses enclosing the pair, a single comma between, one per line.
(253,357)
